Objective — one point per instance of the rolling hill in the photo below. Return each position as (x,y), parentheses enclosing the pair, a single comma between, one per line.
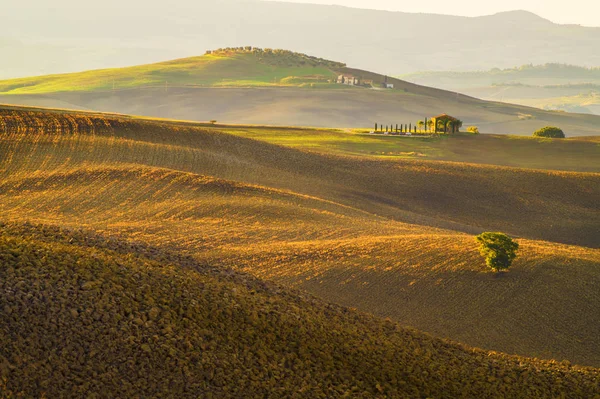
(574,154)
(551,86)
(274,87)
(385,235)
(129,320)
(246,67)
(117,33)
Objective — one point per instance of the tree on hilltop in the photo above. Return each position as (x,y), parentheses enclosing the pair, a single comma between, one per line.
(498,249)
(549,132)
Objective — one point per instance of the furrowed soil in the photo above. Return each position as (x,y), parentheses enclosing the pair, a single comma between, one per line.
(87,316)
(387,236)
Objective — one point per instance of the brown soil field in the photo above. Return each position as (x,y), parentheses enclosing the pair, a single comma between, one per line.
(390,237)
(89,316)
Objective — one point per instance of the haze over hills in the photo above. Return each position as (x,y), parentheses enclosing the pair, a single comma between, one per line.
(275,87)
(112,33)
(550,86)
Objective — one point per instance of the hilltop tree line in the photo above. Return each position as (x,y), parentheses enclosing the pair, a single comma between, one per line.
(284,55)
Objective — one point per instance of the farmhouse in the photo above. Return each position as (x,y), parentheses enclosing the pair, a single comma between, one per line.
(349,80)
(446,123)
(386,84)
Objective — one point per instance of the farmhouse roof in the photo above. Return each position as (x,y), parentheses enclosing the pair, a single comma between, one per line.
(445,116)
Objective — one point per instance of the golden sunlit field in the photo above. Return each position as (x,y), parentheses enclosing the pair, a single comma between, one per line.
(386,235)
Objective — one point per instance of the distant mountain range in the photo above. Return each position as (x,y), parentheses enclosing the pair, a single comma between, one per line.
(550,86)
(551,74)
(66,36)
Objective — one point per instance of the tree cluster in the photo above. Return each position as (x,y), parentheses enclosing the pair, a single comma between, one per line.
(550,132)
(422,126)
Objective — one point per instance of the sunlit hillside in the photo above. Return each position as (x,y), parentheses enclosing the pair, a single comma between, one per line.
(573,154)
(264,86)
(389,236)
(246,67)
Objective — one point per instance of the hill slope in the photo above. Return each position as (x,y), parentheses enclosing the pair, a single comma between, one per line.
(221,68)
(142,31)
(580,154)
(392,188)
(274,87)
(383,235)
(130,320)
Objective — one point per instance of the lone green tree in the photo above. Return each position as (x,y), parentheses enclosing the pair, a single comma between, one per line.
(498,249)
(550,132)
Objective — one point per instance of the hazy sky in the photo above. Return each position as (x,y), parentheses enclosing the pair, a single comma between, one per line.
(583,12)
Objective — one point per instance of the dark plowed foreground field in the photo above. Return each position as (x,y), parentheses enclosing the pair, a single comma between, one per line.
(86,316)
(392,237)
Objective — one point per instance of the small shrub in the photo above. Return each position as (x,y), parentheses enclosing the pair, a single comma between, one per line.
(549,132)
(473,129)
(498,249)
